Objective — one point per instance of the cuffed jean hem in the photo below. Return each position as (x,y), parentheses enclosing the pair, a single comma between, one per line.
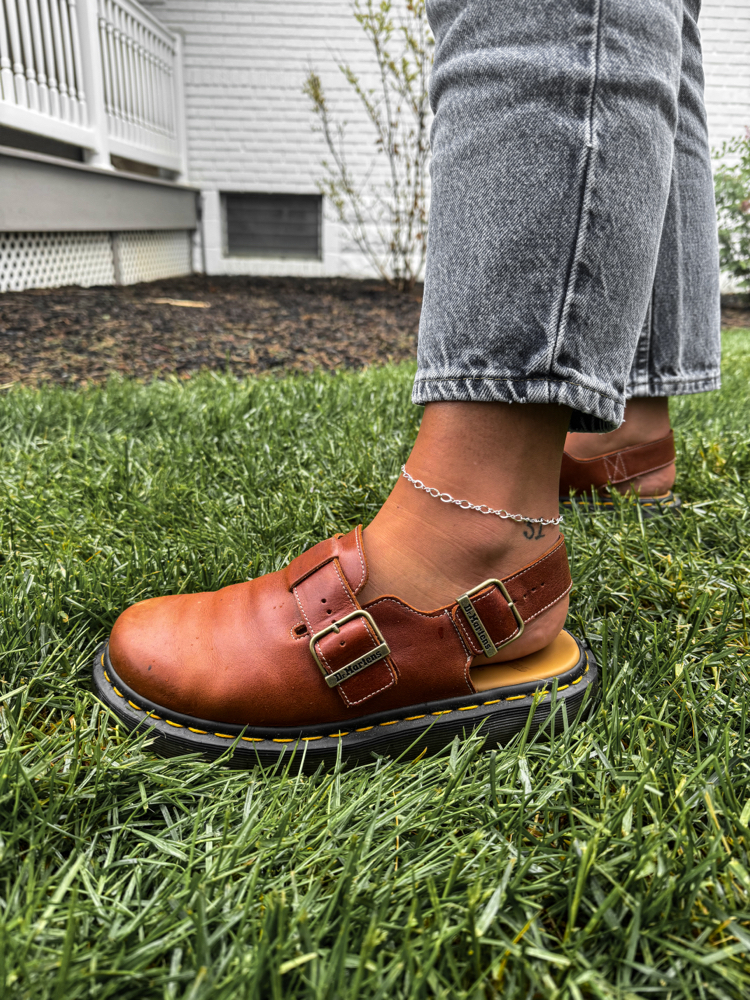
(676,386)
(592,409)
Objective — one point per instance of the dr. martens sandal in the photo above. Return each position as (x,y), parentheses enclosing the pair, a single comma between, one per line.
(292,663)
(589,479)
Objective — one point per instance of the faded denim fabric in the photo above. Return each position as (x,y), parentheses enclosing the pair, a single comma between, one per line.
(573,254)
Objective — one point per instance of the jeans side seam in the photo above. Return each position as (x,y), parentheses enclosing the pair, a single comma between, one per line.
(586,191)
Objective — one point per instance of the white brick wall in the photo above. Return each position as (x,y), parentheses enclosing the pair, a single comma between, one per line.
(725,32)
(249,125)
(248,122)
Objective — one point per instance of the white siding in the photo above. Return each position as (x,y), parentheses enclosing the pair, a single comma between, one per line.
(248,122)
(725,32)
(249,125)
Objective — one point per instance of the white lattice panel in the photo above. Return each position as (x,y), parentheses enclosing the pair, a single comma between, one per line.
(50,260)
(148,256)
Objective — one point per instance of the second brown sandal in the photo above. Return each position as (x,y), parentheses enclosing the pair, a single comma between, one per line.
(588,480)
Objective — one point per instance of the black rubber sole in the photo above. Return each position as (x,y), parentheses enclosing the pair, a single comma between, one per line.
(410,732)
(651,506)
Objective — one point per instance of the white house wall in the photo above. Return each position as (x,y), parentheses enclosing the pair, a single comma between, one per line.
(249,125)
(248,122)
(725,31)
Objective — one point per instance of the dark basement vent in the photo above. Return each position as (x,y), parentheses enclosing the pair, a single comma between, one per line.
(273,225)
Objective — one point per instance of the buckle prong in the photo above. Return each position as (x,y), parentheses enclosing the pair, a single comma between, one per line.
(367,659)
(477,625)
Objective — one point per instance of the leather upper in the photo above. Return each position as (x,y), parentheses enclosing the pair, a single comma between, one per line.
(242,654)
(583,475)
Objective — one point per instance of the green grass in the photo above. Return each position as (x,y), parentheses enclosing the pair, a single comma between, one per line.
(611,862)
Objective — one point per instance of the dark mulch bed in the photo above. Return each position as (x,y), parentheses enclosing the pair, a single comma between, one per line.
(735,311)
(77,336)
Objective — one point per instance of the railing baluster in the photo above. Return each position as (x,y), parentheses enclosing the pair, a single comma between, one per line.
(38,42)
(49,60)
(62,81)
(117,70)
(104,52)
(19,70)
(130,70)
(28,55)
(77,62)
(70,75)
(7,91)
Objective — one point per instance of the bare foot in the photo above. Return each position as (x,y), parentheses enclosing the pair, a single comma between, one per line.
(646,419)
(428,552)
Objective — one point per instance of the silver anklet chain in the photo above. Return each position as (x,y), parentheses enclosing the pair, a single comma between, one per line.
(482,507)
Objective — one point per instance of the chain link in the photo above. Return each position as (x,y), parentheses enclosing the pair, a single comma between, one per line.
(482,507)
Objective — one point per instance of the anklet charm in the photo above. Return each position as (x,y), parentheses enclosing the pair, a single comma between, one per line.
(482,507)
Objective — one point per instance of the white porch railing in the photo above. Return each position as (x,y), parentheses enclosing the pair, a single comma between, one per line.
(101,74)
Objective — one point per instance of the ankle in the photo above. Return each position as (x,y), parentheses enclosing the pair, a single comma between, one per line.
(428,553)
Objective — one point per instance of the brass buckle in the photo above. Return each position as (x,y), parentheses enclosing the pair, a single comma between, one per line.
(476,623)
(379,653)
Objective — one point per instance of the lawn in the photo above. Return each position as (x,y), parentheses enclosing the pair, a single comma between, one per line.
(611,861)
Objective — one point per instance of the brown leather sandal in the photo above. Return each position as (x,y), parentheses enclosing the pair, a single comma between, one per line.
(588,479)
(292,663)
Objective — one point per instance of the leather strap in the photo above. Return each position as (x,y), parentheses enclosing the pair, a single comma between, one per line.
(325,595)
(532,590)
(583,475)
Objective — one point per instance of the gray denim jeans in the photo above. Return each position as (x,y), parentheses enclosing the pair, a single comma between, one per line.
(572,253)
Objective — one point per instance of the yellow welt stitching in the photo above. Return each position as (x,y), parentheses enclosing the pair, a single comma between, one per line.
(411,718)
(278,741)
(203,732)
(445,711)
(388,723)
(562,687)
(225,736)
(366,729)
(332,735)
(465,708)
(106,675)
(118,693)
(495,702)
(177,725)
(133,704)
(576,681)
(515,697)
(308,738)
(252,739)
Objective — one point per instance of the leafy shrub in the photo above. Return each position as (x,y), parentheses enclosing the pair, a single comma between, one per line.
(732,184)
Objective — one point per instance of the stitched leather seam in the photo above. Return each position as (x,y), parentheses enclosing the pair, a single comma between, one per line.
(566,591)
(541,559)
(443,614)
(642,472)
(361,560)
(262,739)
(537,613)
(371,694)
(304,613)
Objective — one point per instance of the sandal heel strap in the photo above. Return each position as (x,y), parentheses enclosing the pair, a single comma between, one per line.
(583,475)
